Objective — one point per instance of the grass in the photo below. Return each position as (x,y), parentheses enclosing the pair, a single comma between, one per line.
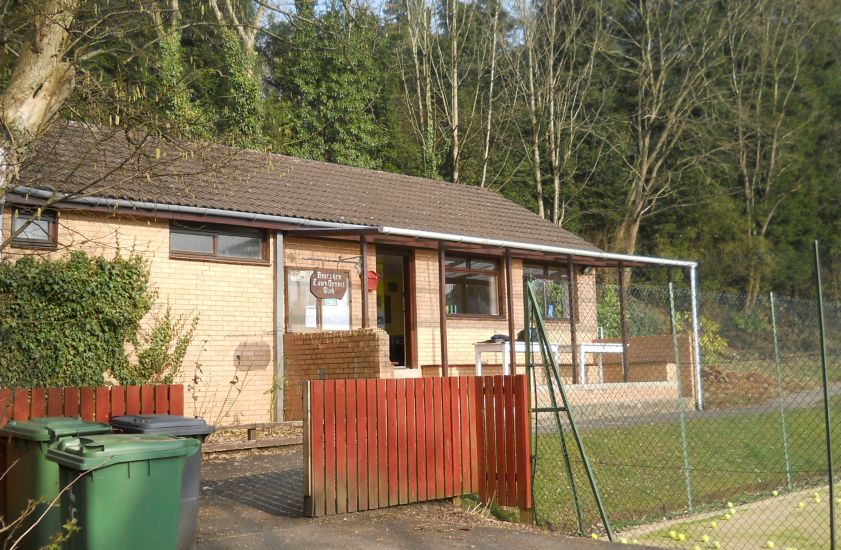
(639,467)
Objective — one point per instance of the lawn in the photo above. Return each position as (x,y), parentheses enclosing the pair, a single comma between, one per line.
(639,467)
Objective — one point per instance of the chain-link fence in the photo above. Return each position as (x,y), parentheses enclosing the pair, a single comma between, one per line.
(730,452)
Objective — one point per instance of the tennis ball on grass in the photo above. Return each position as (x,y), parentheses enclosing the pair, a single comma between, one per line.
(635,541)
(594,536)
(673,534)
(817,500)
(681,537)
(770,544)
(623,540)
(726,516)
(729,504)
(713,525)
(801,505)
(774,493)
(705,538)
(716,544)
(696,547)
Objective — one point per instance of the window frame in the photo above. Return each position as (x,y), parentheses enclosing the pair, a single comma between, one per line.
(215,231)
(319,314)
(563,276)
(50,215)
(497,273)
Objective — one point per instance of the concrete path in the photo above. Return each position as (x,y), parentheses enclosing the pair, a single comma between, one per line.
(255,502)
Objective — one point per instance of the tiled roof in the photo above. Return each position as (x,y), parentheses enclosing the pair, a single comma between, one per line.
(111,163)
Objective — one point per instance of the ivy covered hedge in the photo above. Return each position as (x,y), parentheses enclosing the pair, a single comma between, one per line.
(66,322)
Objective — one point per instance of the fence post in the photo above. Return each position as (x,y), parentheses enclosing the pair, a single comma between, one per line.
(826,408)
(780,389)
(684,444)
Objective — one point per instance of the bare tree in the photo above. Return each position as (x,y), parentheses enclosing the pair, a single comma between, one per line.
(667,49)
(764,50)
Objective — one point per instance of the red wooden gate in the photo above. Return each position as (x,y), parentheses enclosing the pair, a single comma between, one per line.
(375,443)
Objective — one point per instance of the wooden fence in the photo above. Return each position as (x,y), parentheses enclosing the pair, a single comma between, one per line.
(376,443)
(93,404)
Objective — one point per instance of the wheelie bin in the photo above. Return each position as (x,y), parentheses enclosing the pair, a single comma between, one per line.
(31,476)
(123,490)
(179,426)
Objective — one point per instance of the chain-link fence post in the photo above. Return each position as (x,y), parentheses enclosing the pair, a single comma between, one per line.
(783,431)
(681,412)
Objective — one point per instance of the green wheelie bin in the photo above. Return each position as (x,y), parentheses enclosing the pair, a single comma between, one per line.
(32,477)
(123,490)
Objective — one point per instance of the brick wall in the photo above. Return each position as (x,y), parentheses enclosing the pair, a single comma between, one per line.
(359,353)
(235,303)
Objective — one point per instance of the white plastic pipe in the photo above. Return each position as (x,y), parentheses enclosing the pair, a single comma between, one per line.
(696,337)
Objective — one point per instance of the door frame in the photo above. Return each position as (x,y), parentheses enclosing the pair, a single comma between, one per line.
(409,302)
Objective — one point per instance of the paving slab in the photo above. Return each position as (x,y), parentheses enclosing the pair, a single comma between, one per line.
(252,502)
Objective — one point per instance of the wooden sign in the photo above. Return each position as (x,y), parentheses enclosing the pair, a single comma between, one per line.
(328,283)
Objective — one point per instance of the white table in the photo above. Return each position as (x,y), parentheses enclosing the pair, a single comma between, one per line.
(596,347)
(505,349)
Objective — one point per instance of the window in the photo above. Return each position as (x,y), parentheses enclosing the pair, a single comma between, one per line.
(472,286)
(305,312)
(551,287)
(37,229)
(217,242)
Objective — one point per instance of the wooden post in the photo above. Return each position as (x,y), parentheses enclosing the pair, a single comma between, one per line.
(623,321)
(309,508)
(442,301)
(363,251)
(572,280)
(509,299)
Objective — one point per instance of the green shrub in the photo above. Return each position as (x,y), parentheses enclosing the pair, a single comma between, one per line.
(66,322)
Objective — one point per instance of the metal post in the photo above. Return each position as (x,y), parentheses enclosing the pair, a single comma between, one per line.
(681,412)
(780,390)
(509,298)
(363,251)
(696,337)
(623,322)
(826,409)
(442,302)
(279,326)
(572,279)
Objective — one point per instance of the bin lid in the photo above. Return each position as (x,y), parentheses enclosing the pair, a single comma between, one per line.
(168,424)
(51,428)
(87,453)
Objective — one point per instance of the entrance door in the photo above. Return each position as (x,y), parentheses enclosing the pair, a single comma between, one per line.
(394,304)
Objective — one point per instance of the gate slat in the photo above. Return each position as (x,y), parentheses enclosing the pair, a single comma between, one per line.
(361,445)
(118,401)
(438,423)
(391,426)
(429,409)
(489,445)
(499,436)
(464,421)
(87,404)
(103,404)
(372,393)
(382,445)
(6,406)
(510,463)
(420,439)
(20,409)
(477,440)
(39,402)
(176,399)
(330,445)
(411,443)
(521,390)
(317,465)
(351,435)
(147,399)
(455,419)
(71,401)
(402,444)
(133,400)
(55,402)
(341,447)
(448,436)
(161,399)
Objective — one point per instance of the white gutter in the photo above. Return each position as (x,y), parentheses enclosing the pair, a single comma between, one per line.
(449,237)
(192,210)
